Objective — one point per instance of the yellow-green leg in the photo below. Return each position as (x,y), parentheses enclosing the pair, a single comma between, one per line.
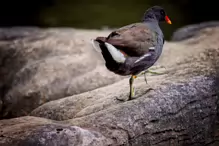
(145,77)
(144,72)
(153,72)
(131,82)
(150,71)
(132,89)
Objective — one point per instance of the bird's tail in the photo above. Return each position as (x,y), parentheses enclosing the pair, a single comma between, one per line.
(96,43)
(100,44)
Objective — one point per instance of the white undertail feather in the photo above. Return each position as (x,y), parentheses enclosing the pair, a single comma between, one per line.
(115,53)
(95,45)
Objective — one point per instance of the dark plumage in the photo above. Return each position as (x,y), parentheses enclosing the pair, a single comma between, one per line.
(134,48)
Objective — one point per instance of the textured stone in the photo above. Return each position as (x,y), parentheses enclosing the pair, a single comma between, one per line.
(181,60)
(31,131)
(47,64)
(192,30)
(181,110)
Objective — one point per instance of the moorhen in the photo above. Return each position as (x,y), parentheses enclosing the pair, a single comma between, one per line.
(132,49)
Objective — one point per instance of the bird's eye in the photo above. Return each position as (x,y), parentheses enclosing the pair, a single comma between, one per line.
(162,12)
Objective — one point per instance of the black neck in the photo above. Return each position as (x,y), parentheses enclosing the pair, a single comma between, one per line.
(148,17)
(150,20)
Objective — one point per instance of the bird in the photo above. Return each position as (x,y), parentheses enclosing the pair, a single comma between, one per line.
(132,49)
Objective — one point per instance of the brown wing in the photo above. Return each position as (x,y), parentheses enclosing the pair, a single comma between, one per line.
(134,40)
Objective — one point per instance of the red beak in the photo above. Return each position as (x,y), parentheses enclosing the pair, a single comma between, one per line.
(168,20)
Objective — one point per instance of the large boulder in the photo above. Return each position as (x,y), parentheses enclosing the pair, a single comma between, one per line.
(40,65)
(181,110)
(192,30)
(31,131)
(183,61)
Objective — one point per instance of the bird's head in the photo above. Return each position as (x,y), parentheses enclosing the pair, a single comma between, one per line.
(158,13)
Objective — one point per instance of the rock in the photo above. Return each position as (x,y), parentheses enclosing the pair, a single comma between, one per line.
(45,65)
(178,118)
(41,132)
(181,60)
(181,110)
(18,32)
(192,30)
(175,114)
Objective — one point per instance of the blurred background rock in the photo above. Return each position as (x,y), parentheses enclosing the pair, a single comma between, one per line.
(97,14)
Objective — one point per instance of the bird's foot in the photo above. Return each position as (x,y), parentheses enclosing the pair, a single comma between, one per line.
(121,99)
(130,97)
(132,94)
(149,89)
(132,89)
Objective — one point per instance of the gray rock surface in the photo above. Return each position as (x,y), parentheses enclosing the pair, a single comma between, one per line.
(192,30)
(31,131)
(43,65)
(181,110)
(181,60)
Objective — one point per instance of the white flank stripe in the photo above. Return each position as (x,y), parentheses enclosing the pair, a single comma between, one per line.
(116,54)
(144,56)
(152,48)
